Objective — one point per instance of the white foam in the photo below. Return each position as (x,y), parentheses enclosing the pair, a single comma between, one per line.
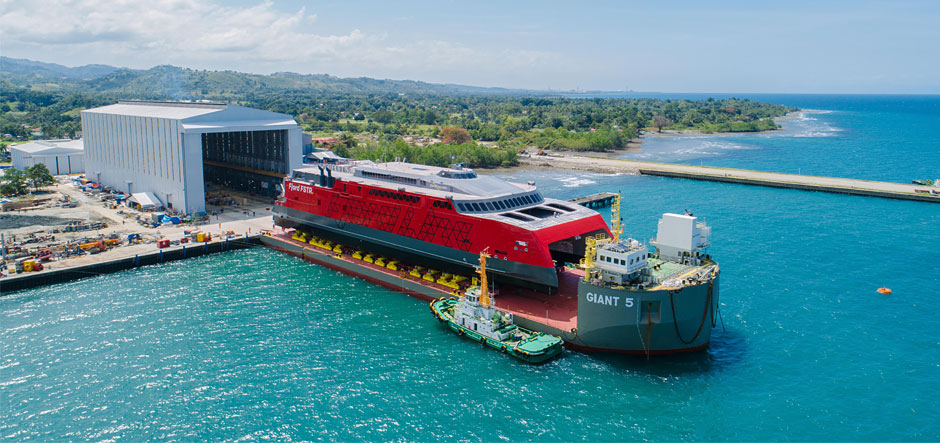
(574,182)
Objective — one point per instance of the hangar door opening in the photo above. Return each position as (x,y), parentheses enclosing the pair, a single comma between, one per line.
(249,161)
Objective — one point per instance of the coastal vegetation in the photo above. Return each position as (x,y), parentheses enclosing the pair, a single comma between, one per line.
(423,122)
(438,154)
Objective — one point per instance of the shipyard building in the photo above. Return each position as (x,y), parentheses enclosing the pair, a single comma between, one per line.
(173,150)
(61,157)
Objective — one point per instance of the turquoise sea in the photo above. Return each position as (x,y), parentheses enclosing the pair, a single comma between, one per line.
(256,345)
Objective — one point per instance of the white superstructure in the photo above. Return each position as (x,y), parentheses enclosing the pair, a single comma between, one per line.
(158,147)
(484,320)
(681,235)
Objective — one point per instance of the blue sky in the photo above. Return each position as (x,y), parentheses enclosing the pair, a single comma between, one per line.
(746,46)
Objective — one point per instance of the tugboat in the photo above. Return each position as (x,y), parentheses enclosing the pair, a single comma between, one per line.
(473,317)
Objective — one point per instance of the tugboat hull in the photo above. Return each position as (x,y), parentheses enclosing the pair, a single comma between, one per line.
(537,350)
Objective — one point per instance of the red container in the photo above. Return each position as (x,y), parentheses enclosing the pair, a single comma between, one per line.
(165,243)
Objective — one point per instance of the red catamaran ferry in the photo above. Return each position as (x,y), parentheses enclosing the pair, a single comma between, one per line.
(439,217)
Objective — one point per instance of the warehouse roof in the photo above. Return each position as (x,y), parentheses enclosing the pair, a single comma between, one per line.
(50,147)
(202,115)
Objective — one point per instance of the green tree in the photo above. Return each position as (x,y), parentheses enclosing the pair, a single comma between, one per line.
(383,117)
(14,182)
(40,176)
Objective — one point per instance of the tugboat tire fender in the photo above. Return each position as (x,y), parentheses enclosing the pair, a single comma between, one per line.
(483,341)
(460,332)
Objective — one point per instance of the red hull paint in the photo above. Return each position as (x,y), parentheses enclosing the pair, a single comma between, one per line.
(434,220)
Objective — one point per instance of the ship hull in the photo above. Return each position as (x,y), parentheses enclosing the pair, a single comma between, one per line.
(600,327)
(416,251)
(645,322)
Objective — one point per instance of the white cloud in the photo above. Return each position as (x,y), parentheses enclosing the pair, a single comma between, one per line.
(256,38)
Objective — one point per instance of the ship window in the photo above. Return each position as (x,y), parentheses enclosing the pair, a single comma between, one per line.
(476,206)
(462,207)
(489,205)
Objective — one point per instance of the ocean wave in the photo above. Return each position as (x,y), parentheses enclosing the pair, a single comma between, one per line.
(574,182)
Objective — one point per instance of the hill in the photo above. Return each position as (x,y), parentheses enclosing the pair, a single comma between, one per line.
(40,70)
(172,82)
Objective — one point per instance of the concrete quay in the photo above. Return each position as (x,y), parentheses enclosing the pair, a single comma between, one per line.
(122,259)
(247,232)
(900,191)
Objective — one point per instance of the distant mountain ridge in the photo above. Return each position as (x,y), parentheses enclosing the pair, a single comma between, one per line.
(173,82)
(21,66)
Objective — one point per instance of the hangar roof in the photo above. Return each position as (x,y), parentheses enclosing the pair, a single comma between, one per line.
(199,115)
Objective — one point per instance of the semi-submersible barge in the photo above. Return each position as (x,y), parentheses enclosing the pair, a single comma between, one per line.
(555,265)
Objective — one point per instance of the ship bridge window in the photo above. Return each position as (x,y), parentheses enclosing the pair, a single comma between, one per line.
(458,175)
(390,177)
(462,207)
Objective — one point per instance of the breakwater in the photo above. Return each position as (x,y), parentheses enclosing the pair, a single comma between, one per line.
(123,262)
(837,185)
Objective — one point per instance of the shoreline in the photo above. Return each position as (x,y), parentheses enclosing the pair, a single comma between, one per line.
(636,145)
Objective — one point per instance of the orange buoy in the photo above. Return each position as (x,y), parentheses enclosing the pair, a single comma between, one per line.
(884,291)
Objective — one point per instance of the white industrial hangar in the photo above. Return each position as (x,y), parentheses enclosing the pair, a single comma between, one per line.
(171,149)
(60,156)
